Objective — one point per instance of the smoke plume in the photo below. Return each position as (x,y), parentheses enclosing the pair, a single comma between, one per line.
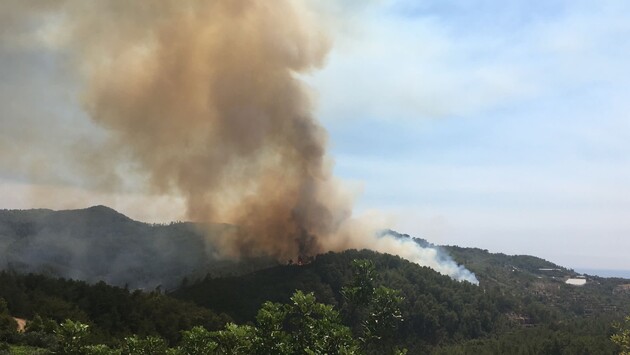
(203,100)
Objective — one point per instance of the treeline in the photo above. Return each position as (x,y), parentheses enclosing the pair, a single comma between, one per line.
(112,312)
(539,286)
(300,326)
(580,337)
(438,312)
(416,308)
(436,309)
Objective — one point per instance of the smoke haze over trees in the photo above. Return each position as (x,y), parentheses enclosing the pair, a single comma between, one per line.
(100,244)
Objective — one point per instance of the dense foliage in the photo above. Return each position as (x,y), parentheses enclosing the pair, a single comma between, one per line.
(519,297)
(436,309)
(301,326)
(113,312)
(580,337)
(622,336)
(351,302)
(8,325)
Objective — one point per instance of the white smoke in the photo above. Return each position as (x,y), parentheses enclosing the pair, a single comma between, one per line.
(424,254)
(368,232)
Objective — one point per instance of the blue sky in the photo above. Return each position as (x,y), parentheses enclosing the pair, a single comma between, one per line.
(500,125)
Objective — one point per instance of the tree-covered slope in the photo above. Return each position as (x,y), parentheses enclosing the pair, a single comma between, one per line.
(542,284)
(520,300)
(440,315)
(435,307)
(516,293)
(113,312)
(100,244)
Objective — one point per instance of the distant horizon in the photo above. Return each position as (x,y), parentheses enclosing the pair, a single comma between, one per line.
(624,274)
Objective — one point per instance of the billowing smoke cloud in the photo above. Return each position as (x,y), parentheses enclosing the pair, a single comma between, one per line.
(203,100)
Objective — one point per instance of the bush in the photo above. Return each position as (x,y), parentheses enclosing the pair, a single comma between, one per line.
(38,339)
(8,329)
(151,345)
(101,349)
(198,340)
(72,338)
(8,325)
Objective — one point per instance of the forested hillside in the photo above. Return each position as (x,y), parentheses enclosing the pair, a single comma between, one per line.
(100,244)
(436,307)
(543,285)
(515,303)
(113,312)
(521,305)
(437,315)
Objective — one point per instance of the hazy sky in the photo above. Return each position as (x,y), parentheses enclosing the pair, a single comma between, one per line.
(501,125)
(498,124)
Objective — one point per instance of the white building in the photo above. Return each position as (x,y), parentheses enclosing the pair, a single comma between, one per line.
(581,281)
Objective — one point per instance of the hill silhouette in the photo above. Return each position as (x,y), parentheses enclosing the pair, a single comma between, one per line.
(100,244)
(521,302)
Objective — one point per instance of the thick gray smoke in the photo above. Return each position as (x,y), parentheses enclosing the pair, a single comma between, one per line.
(203,100)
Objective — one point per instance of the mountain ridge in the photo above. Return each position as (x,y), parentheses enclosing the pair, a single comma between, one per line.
(99,243)
(520,299)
